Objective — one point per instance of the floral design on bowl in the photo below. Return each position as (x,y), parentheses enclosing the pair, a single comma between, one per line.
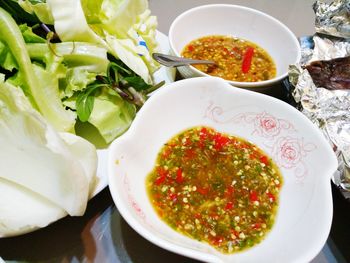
(289,152)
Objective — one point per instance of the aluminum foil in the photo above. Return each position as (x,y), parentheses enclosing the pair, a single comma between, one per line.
(333,18)
(328,109)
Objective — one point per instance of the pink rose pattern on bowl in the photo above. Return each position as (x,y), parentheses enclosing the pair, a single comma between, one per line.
(281,138)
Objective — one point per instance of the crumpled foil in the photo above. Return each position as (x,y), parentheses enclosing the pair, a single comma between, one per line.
(328,109)
(333,18)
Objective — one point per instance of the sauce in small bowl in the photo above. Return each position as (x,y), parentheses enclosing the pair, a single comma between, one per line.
(236,59)
(245,23)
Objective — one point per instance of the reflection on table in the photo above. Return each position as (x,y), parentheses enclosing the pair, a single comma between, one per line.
(102,235)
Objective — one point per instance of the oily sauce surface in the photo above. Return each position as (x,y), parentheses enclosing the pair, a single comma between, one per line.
(236,59)
(215,188)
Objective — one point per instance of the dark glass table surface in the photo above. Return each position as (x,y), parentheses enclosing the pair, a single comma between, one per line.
(102,235)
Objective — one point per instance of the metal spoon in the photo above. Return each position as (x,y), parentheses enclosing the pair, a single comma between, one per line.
(173,61)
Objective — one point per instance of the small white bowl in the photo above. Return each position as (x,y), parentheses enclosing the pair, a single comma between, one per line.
(304,157)
(238,21)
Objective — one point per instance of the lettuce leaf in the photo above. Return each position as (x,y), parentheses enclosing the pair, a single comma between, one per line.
(111,115)
(57,77)
(125,50)
(22,210)
(18,13)
(75,54)
(49,106)
(92,11)
(77,79)
(70,23)
(7,61)
(35,157)
(124,27)
(118,16)
(39,8)
(29,36)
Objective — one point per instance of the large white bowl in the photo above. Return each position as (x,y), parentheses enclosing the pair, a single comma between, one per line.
(242,22)
(297,146)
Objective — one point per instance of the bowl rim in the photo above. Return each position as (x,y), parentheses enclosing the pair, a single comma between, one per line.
(124,209)
(256,84)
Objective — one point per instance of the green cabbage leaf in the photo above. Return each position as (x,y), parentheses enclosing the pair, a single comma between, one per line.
(125,28)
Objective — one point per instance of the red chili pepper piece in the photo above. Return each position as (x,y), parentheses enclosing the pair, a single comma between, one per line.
(253,156)
(201,144)
(166,153)
(162,176)
(226,51)
(216,240)
(264,160)
(173,196)
(202,191)
(187,142)
(256,226)
(203,134)
(229,206)
(247,59)
(243,146)
(253,196)
(160,180)
(271,196)
(197,215)
(162,172)
(220,141)
(229,191)
(190,48)
(179,176)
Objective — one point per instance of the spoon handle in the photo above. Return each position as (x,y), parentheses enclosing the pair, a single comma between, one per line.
(173,61)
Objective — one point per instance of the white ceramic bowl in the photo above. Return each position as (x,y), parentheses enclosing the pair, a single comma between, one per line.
(297,146)
(238,21)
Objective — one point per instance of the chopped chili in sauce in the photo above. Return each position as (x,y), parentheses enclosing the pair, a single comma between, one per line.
(236,59)
(215,188)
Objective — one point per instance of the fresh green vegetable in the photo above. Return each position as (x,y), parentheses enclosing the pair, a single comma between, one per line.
(37,8)
(17,12)
(125,28)
(65,65)
(91,63)
(47,165)
(42,97)
(76,80)
(75,54)
(119,83)
(85,102)
(7,61)
(112,115)
(29,36)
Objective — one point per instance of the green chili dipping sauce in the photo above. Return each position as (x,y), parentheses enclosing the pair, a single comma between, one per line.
(236,59)
(215,188)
